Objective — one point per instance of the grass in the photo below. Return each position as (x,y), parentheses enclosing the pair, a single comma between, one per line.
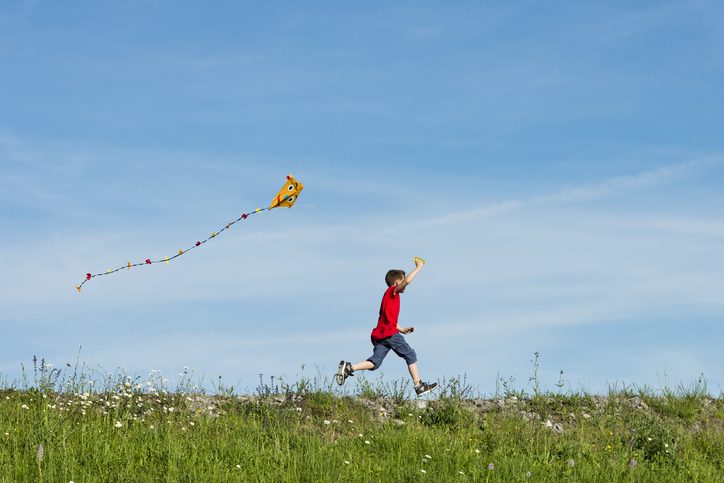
(119,428)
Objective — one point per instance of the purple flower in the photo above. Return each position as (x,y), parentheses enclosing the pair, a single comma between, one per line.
(491,466)
(633,463)
(571,463)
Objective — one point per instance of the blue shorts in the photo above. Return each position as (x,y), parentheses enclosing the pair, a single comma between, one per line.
(398,344)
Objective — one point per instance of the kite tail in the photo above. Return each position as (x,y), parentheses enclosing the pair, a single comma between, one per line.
(148,261)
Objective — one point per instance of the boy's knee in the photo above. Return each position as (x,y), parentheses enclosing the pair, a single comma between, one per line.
(411,357)
(374,363)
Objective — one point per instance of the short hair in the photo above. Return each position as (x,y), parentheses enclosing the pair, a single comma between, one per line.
(393,276)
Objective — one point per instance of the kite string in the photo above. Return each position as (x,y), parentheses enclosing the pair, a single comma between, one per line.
(148,261)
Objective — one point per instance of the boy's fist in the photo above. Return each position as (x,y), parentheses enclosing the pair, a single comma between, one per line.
(418,261)
(408,330)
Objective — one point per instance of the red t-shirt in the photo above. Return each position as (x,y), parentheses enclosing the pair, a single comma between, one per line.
(389,311)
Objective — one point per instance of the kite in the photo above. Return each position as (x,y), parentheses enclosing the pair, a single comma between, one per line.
(286,197)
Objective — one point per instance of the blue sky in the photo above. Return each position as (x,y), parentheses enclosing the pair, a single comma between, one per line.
(560,166)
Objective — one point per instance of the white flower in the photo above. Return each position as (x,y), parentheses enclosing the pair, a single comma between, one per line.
(477,451)
(350,421)
(25,406)
(238,467)
(649,439)
(423,471)
(460,472)
(666,445)
(118,424)
(428,456)
(192,423)
(326,421)
(367,441)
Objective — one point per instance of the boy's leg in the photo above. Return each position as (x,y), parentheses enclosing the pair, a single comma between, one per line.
(402,349)
(414,373)
(347,369)
(362,366)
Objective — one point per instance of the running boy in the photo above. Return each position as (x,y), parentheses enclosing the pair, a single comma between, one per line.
(387,334)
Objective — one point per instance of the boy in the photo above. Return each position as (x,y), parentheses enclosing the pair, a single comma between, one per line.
(387,334)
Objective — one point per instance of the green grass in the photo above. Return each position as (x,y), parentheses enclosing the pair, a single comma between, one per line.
(130,430)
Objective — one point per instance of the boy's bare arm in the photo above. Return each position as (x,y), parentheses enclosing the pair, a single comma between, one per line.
(404,330)
(411,276)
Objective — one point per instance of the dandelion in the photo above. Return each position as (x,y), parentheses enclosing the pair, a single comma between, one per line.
(633,463)
(491,467)
(118,424)
(571,463)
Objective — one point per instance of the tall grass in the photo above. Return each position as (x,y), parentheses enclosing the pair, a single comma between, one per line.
(78,424)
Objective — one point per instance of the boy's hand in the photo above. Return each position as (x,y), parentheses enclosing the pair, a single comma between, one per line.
(419,262)
(408,330)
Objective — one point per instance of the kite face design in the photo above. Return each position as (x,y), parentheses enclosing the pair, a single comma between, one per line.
(288,195)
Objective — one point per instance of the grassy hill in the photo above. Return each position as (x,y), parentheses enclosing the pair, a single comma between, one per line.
(79,429)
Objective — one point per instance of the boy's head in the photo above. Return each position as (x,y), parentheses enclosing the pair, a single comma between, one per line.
(394,277)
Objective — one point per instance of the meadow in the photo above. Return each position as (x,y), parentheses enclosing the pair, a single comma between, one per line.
(78,425)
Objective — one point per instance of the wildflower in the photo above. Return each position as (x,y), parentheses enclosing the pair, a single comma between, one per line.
(666,445)
(118,424)
(571,463)
(7,434)
(238,467)
(491,467)
(346,462)
(192,423)
(528,474)
(633,463)
(350,421)
(461,473)
(326,421)
(41,452)
(477,451)
(367,441)
(428,456)
(648,439)
(152,426)
(423,471)
(25,406)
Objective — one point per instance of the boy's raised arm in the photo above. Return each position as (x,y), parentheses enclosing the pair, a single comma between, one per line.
(410,276)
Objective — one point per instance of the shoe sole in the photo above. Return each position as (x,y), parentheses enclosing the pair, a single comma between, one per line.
(340,373)
(425,392)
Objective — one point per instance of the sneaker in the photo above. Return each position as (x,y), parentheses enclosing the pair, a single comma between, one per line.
(424,388)
(344,371)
